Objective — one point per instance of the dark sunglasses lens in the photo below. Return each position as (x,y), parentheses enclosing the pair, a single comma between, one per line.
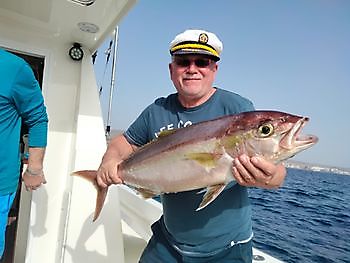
(182,62)
(202,63)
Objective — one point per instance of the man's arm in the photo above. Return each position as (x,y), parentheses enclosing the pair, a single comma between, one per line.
(257,172)
(118,150)
(33,177)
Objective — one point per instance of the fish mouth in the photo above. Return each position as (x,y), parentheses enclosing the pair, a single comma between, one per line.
(294,140)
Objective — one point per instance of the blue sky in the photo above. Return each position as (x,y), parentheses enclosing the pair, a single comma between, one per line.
(291,55)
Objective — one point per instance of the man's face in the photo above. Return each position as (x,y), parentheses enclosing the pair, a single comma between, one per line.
(192,75)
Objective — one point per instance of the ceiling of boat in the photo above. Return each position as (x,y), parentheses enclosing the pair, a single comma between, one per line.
(67,20)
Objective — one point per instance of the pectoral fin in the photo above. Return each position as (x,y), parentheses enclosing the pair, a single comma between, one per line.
(211,194)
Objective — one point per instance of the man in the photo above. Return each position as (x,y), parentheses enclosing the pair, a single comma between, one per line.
(222,231)
(20,100)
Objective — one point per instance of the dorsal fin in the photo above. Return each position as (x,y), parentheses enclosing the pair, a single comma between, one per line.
(166,133)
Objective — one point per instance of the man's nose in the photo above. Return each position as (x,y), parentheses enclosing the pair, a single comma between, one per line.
(192,66)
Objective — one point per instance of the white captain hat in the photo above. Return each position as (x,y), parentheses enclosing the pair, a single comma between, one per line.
(195,41)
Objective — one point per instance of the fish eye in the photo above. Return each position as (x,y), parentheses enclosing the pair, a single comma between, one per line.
(265,130)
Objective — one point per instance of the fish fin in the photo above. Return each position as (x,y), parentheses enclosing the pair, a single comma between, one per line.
(204,190)
(100,200)
(91,175)
(165,133)
(146,193)
(160,136)
(208,160)
(211,194)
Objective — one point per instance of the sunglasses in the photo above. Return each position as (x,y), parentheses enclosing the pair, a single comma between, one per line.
(199,62)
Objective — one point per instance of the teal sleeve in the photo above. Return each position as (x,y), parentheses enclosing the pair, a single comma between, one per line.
(29,102)
(137,133)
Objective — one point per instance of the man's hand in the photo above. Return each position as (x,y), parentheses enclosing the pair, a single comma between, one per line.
(107,173)
(118,150)
(33,179)
(257,172)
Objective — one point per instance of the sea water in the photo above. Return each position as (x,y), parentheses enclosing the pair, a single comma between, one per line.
(306,220)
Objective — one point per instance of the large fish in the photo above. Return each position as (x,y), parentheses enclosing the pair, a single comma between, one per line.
(201,155)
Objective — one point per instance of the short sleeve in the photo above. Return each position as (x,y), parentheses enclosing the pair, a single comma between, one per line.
(137,133)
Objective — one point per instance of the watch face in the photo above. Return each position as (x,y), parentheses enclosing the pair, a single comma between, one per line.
(76,53)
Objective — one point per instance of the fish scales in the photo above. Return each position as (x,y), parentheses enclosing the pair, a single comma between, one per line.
(201,156)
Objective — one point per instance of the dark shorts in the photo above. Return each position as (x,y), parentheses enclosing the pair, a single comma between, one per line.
(159,250)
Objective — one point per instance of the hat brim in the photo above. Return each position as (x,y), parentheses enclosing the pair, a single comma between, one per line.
(195,52)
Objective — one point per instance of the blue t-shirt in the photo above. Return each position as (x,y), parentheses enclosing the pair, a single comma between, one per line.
(20,100)
(228,217)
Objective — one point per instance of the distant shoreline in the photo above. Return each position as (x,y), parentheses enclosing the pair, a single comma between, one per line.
(317,167)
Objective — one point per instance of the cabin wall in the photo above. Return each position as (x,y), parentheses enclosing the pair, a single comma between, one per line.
(99,241)
(58,215)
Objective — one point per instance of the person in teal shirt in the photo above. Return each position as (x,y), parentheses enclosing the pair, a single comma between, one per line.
(222,231)
(21,101)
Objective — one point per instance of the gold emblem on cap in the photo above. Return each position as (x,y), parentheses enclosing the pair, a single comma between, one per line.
(203,38)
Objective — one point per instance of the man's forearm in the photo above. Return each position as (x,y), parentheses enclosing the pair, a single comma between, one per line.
(118,149)
(36,158)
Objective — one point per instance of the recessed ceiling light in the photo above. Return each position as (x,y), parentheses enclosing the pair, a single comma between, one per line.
(88,27)
(83,2)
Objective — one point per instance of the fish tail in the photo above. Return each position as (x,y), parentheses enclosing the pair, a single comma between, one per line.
(100,200)
(91,175)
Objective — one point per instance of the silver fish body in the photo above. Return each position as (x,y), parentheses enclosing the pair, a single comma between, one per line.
(201,155)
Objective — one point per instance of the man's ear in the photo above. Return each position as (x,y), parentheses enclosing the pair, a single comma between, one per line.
(170,68)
